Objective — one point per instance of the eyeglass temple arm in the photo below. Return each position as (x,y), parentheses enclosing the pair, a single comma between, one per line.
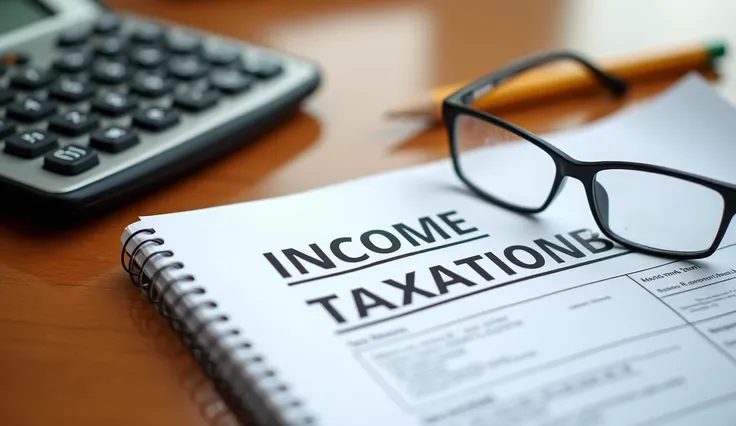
(614,84)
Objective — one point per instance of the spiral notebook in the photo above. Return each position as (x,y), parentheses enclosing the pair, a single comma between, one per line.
(400,299)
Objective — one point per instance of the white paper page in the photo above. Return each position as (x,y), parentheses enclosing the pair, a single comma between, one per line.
(485,323)
(687,128)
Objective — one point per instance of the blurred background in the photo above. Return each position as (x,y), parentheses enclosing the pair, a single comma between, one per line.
(380,53)
(81,343)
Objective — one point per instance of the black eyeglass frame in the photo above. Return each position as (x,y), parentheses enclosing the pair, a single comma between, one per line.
(459,103)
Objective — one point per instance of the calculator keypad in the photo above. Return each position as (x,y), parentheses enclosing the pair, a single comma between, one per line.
(230,81)
(15,58)
(109,47)
(262,68)
(110,72)
(107,23)
(110,87)
(114,104)
(74,122)
(70,89)
(6,96)
(31,143)
(114,138)
(156,118)
(7,127)
(152,85)
(75,36)
(196,98)
(147,57)
(32,78)
(181,42)
(31,109)
(73,62)
(187,68)
(220,54)
(146,33)
(71,160)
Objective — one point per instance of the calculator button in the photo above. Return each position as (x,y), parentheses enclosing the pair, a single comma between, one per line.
(156,118)
(110,47)
(71,90)
(110,72)
(146,32)
(31,78)
(196,98)
(114,138)
(182,42)
(262,68)
(72,62)
(152,85)
(74,36)
(70,160)
(147,57)
(107,23)
(230,81)
(220,54)
(7,128)
(6,96)
(15,58)
(31,109)
(31,143)
(113,103)
(74,123)
(187,68)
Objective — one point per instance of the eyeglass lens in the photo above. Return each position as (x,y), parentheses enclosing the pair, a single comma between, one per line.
(486,152)
(658,211)
(649,209)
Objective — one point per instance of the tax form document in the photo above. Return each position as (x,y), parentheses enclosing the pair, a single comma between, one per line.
(401,299)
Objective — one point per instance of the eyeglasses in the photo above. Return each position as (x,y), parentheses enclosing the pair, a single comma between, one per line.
(646,208)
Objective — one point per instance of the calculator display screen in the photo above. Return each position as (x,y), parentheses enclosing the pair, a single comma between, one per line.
(18,13)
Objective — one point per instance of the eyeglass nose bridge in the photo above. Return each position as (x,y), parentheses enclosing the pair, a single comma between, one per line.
(568,168)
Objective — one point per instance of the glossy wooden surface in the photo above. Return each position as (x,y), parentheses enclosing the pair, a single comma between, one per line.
(79,346)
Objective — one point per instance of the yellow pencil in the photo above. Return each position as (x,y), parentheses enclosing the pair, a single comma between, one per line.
(550,83)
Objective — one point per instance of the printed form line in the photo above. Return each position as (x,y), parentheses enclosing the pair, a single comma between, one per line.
(582,355)
(690,409)
(698,288)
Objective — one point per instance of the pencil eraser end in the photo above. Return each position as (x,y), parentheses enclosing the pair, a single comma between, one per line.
(716,49)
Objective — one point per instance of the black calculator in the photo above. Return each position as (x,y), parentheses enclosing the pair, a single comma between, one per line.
(97,106)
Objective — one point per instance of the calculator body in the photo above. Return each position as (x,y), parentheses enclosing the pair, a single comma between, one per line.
(68,163)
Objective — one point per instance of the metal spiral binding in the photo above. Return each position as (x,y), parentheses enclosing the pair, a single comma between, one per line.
(210,350)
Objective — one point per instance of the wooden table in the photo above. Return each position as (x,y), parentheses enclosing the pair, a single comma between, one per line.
(78,345)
